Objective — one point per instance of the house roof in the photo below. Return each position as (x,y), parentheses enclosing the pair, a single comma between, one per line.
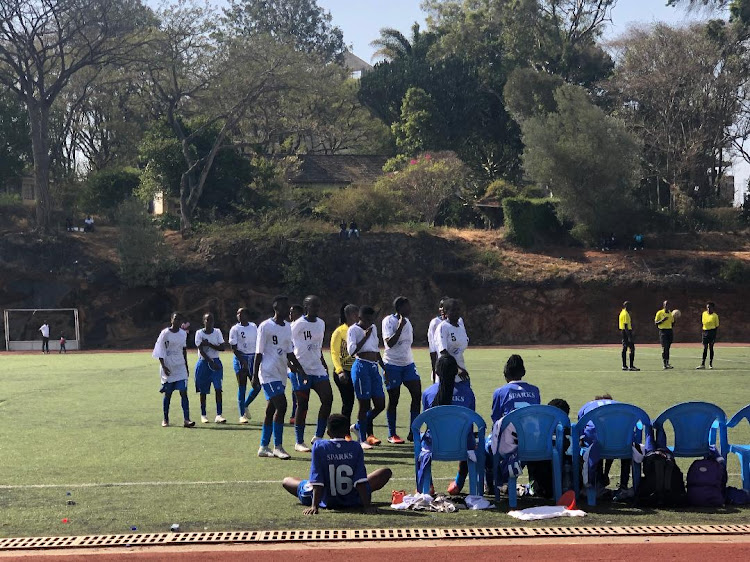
(354,63)
(338,169)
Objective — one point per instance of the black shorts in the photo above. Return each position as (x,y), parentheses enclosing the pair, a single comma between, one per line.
(709,336)
(666,337)
(627,339)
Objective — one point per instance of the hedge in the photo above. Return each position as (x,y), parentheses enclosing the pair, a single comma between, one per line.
(528,220)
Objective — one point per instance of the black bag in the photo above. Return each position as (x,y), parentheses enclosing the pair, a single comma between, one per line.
(662,484)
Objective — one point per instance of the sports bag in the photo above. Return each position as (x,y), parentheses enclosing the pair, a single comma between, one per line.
(706,483)
(662,484)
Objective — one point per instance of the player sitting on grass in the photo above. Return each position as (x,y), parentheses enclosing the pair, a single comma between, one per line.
(338,477)
(362,343)
(242,337)
(273,351)
(307,336)
(509,397)
(209,370)
(171,351)
(450,390)
(398,336)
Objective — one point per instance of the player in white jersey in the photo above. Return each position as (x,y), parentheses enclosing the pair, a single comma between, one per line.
(208,370)
(308,332)
(433,336)
(171,351)
(242,338)
(451,336)
(298,383)
(398,336)
(272,352)
(362,343)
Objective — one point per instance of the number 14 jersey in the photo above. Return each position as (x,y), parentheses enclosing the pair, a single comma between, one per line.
(338,466)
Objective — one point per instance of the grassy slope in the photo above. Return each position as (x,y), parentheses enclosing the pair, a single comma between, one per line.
(83,418)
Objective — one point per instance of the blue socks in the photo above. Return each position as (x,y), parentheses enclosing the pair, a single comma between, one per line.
(252,396)
(165,404)
(265,435)
(320,430)
(460,480)
(362,431)
(278,433)
(299,432)
(185,406)
(241,398)
(391,417)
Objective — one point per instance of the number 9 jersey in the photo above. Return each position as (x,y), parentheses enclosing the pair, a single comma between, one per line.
(338,466)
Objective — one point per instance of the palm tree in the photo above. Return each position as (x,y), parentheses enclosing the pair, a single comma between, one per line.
(393,45)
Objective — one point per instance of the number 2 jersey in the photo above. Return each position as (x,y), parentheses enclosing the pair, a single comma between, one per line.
(338,466)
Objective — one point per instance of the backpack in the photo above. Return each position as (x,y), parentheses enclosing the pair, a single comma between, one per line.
(662,484)
(706,483)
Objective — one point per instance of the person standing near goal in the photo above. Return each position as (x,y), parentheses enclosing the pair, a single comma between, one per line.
(44,328)
(664,320)
(171,351)
(273,351)
(308,332)
(242,338)
(208,370)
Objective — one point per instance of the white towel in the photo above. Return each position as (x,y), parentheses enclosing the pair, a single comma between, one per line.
(546,512)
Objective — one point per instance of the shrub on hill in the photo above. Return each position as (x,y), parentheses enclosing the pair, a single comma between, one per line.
(529,220)
(104,190)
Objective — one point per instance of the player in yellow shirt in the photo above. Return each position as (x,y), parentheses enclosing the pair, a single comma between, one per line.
(342,361)
(664,320)
(626,328)
(710,321)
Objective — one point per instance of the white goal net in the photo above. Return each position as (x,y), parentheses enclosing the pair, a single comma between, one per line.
(22,328)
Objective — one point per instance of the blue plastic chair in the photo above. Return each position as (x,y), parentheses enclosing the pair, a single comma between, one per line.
(742,451)
(617,425)
(540,431)
(450,427)
(692,423)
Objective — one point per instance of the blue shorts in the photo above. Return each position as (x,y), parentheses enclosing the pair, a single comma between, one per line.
(366,380)
(172,386)
(205,377)
(250,360)
(396,375)
(305,493)
(298,382)
(271,389)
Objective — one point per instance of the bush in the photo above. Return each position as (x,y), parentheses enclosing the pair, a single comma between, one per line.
(144,257)
(529,220)
(10,200)
(719,219)
(368,206)
(734,271)
(104,190)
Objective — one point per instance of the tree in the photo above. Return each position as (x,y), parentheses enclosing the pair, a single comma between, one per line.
(302,21)
(15,144)
(419,127)
(44,44)
(589,160)
(104,190)
(393,45)
(196,71)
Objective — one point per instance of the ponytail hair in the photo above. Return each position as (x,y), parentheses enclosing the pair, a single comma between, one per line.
(446,369)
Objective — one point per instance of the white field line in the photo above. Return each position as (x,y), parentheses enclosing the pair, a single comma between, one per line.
(156,483)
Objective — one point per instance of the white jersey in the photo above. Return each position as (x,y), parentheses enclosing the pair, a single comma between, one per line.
(307,338)
(244,337)
(453,339)
(433,336)
(44,328)
(169,347)
(355,334)
(274,342)
(400,354)
(215,337)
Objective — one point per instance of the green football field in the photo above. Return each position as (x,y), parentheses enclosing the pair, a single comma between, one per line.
(88,425)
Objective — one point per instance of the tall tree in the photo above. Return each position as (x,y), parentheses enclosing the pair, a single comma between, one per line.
(15,143)
(393,45)
(303,21)
(44,44)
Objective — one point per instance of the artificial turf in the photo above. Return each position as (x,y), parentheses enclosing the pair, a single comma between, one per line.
(88,425)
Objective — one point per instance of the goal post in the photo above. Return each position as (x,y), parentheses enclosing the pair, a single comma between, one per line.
(22,328)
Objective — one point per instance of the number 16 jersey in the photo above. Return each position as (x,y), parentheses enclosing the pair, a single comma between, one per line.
(338,466)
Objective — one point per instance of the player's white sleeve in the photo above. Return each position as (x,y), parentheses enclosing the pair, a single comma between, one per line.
(198,337)
(260,339)
(390,325)
(158,352)
(221,336)
(233,335)
(351,341)
(442,338)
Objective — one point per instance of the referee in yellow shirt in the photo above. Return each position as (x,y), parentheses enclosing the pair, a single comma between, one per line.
(626,328)
(710,321)
(342,361)
(665,321)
